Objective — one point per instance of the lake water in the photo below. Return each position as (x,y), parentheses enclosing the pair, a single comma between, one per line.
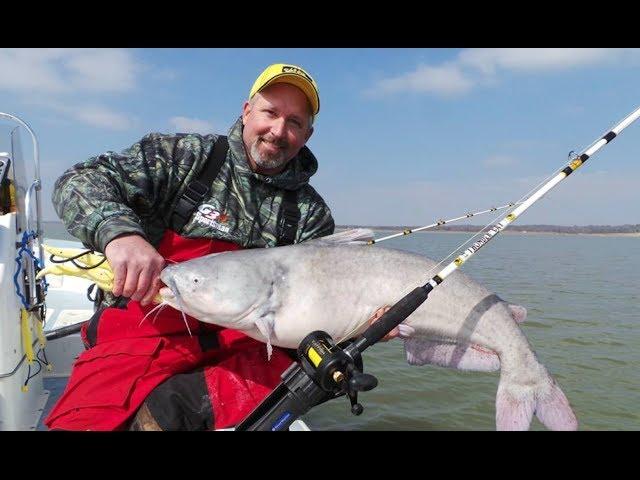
(582,295)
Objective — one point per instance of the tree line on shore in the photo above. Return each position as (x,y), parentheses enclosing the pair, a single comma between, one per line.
(629,228)
(56,229)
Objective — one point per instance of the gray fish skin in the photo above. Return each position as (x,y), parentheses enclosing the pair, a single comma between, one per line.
(279,295)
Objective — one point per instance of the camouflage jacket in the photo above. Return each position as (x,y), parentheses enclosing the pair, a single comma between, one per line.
(136,192)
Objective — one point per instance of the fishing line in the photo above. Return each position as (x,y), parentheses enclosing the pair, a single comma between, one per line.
(407,231)
(572,156)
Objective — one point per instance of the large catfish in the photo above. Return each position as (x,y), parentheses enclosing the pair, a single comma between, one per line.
(279,295)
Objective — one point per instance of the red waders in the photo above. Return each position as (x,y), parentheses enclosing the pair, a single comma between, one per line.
(128,359)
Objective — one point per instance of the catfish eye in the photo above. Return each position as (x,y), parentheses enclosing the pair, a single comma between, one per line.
(195,280)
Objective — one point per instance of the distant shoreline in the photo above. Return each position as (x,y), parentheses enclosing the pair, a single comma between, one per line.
(510,232)
(593,231)
(57,230)
(515,232)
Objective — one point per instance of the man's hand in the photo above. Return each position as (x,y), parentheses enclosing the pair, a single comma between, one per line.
(376,316)
(136,267)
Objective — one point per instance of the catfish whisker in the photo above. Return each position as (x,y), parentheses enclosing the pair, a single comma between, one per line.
(174,288)
(162,305)
(157,307)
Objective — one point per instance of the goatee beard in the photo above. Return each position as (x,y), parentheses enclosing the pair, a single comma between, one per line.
(266,161)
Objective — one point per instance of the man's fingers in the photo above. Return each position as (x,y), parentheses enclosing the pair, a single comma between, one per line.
(392,334)
(131,282)
(380,312)
(376,316)
(119,276)
(152,292)
(136,264)
(157,265)
(144,283)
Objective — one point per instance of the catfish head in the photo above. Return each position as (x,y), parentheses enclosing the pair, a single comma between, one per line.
(225,289)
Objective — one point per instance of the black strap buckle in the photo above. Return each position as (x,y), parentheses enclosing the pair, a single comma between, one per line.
(198,190)
(195,192)
(289,218)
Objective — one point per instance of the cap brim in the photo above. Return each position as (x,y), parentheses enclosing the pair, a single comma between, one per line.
(296,80)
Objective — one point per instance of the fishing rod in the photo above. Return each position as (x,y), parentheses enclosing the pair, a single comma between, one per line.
(327,370)
(408,231)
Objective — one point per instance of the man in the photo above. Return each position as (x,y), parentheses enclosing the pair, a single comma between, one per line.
(169,198)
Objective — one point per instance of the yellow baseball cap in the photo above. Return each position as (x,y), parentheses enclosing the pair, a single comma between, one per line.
(292,74)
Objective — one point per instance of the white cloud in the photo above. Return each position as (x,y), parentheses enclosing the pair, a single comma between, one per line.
(445,79)
(481,66)
(488,60)
(50,78)
(102,70)
(102,117)
(24,71)
(190,125)
(68,70)
(91,114)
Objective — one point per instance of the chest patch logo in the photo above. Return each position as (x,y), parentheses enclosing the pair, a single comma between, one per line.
(207,215)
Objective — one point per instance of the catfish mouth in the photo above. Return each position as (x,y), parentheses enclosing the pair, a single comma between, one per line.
(165,291)
(167,294)
(168,288)
(171,294)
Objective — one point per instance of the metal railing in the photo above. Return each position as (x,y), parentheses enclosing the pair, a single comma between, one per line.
(36,186)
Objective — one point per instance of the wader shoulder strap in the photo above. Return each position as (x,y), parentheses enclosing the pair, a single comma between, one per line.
(198,189)
(289,218)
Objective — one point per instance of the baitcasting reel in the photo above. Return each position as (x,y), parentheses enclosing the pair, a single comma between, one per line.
(325,371)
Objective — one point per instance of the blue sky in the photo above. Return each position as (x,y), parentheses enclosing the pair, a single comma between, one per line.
(404,136)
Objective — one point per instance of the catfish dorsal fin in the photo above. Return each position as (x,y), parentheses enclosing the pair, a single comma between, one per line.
(354,235)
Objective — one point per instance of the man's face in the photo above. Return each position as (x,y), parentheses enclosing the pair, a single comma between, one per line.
(276,126)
